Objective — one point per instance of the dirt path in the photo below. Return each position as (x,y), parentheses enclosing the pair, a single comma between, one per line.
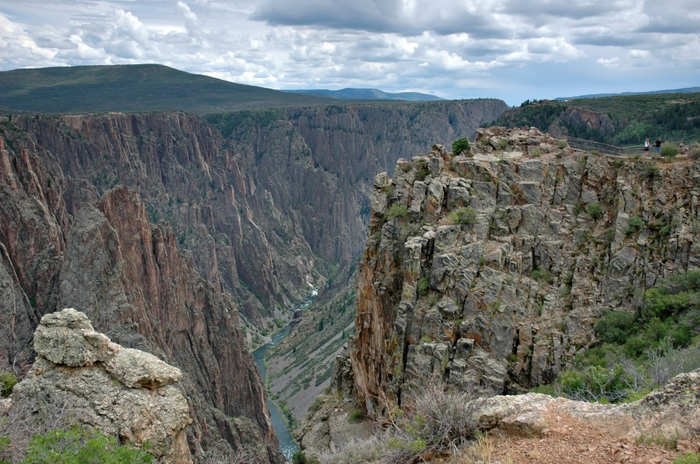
(574,441)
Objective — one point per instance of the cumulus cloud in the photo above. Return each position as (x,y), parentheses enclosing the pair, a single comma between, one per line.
(453,48)
(18,49)
(609,62)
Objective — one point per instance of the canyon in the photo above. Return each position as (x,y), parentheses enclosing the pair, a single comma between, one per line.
(190,237)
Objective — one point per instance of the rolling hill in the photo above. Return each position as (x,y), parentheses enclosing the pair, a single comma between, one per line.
(134,88)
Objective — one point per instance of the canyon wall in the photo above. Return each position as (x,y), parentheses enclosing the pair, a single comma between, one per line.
(63,245)
(490,270)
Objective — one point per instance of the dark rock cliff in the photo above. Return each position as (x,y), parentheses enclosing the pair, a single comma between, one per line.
(491,270)
(63,245)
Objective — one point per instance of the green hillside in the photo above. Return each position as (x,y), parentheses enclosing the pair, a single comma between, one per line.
(619,120)
(134,88)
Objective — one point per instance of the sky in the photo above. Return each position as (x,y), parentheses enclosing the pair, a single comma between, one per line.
(514,50)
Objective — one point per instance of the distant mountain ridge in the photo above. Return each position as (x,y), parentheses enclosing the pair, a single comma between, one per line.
(367,94)
(134,88)
(651,92)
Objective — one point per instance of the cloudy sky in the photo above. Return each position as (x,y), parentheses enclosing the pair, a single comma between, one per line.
(509,49)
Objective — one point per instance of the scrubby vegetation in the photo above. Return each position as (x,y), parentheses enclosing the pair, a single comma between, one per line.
(7,382)
(436,422)
(463,216)
(76,445)
(669,150)
(641,350)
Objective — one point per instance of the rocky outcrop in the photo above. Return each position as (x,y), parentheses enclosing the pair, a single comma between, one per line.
(671,412)
(125,393)
(491,269)
(668,415)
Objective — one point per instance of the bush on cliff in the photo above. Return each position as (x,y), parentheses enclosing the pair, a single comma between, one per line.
(436,422)
(8,380)
(460,146)
(640,350)
(76,445)
(463,216)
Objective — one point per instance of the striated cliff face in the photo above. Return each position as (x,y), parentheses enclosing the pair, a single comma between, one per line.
(491,270)
(65,246)
(256,207)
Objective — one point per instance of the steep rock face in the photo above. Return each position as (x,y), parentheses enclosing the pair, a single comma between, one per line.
(491,270)
(79,371)
(64,246)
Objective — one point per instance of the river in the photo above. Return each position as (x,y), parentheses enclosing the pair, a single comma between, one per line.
(284,435)
(287,444)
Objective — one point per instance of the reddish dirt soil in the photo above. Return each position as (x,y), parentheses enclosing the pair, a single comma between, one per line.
(571,440)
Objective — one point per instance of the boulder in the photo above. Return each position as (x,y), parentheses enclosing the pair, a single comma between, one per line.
(81,377)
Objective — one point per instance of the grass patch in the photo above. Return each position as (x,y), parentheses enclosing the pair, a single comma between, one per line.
(463,216)
(397,211)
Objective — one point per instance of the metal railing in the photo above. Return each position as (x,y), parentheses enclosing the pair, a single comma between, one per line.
(608,149)
(604,148)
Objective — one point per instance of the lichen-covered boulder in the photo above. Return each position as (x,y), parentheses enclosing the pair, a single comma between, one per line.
(80,376)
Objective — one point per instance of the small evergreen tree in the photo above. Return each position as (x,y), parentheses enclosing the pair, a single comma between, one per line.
(460,146)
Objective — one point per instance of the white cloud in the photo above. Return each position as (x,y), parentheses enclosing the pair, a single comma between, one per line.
(636,54)
(611,63)
(457,47)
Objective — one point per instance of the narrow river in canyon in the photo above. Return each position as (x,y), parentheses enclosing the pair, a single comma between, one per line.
(284,435)
(289,447)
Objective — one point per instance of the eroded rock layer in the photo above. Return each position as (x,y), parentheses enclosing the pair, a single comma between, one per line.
(491,269)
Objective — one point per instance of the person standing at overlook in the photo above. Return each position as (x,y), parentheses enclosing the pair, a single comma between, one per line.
(647,145)
(658,145)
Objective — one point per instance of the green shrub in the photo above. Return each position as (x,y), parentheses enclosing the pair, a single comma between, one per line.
(641,350)
(423,285)
(650,170)
(669,150)
(688,458)
(80,445)
(635,224)
(299,457)
(615,326)
(399,211)
(463,216)
(545,390)
(7,382)
(541,275)
(594,210)
(460,146)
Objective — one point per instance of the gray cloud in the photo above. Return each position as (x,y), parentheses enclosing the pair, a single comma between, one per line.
(502,48)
